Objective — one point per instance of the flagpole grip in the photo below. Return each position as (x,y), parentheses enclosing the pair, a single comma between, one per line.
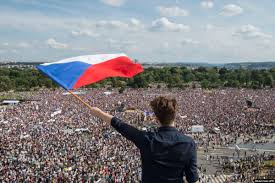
(80,99)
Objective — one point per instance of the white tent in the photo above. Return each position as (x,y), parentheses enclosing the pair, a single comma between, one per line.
(197,128)
(4,122)
(10,102)
(25,136)
(107,93)
(56,112)
(217,130)
(68,131)
(82,130)
(182,117)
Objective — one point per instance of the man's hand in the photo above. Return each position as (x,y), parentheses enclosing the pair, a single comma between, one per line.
(102,115)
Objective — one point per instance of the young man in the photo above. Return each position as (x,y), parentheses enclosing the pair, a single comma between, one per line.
(167,155)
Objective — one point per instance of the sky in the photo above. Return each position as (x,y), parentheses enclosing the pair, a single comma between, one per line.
(213,31)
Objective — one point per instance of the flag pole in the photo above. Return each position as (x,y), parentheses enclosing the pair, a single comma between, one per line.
(81,100)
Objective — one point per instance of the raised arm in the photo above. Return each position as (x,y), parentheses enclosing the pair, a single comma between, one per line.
(126,130)
(102,115)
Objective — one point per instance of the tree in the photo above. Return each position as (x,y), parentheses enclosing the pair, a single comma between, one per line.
(121,90)
(5,83)
(241,76)
(213,75)
(223,71)
(138,81)
(201,69)
(268,81)
(174,79)
(4,72)
(28,78)
(187,76)
(205,84)
(232,83)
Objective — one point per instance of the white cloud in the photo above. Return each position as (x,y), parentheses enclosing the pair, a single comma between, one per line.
(165,45)
(135,24)
(207,4)
(251,32)
(113,24)
(19,45)
(163,24)
(122,45)
(114,3)
(211,42)
(14,51)
(173,11)
(189,41)
(4,46)
(2,51)
(231,10)
(209,27)
(33,21)
(52,43)
(23,45)
(84,33)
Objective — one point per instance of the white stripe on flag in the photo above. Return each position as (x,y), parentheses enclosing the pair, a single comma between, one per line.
(89,59)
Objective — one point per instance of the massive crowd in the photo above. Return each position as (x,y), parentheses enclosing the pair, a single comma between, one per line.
(247,169)
(54,138)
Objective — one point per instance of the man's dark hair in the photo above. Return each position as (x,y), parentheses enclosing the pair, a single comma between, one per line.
(164,109)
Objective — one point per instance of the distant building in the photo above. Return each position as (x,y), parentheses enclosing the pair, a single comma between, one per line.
(18,64)
(10,102)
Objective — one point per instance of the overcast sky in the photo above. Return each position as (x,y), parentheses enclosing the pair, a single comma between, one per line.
(214,31)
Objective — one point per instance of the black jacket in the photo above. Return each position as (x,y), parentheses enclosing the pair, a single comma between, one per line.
(167,155)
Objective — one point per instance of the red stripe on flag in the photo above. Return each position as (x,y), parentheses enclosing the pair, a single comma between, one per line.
(120,66)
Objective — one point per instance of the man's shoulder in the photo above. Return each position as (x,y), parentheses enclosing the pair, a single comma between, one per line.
(186,138)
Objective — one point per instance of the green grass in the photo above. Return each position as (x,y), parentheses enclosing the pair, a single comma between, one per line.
(11,95)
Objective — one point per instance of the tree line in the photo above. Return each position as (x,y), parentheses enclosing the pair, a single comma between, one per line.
(26,79)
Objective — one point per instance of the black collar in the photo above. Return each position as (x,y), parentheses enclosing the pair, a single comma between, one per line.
(167,128)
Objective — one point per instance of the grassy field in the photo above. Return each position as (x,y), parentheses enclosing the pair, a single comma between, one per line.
(12,95)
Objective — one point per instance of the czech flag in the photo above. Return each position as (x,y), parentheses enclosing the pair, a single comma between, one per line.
(79,71)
